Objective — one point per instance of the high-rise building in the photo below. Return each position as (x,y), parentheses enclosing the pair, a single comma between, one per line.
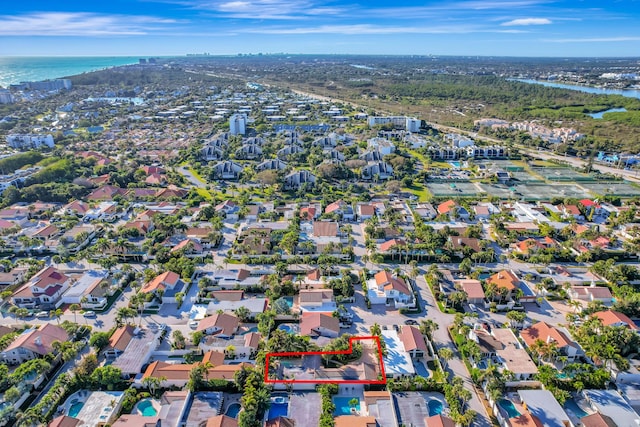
(5,97)
(28,141)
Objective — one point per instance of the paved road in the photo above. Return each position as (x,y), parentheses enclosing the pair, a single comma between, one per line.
(441,339)
(191,177)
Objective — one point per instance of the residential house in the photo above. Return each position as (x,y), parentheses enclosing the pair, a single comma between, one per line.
(221,421)
(592,293)
(272,164)
(379,170)
(309,213)
(90,290)
(191,248)
(473,289)
(77,207)
(426,211)
(175,374)
(505,279)
(319,324)
(297,179)
(340,208)
(414,342)
(255,306)
(13,277)
(43,290)
(552,334)
(501,347)
(386,289)
(165,286)
(365,211)
(463,247)
(452,209)
(545,407)
(224,325)
(319,300)
(610,404)
(227,170)
(615,318)
(440,421)
(381,144)
(33,343)
(245,346)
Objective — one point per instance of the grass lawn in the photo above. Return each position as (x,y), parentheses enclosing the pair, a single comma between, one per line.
(420,191)
(196,175)
(441,165)
(204,193)
(424,160)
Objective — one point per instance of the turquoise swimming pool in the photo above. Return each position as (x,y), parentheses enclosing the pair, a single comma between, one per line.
(509,408)
(435,407)
(146,409)
(75,409)
(343,407)
(573,407)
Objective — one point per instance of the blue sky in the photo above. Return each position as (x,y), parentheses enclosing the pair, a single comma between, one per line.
(221,27)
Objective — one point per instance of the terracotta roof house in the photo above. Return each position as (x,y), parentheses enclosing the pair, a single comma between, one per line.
(615,318)
(221,421)
(64,421)
(387,289)
(120,340)
(191,247)
(77,207)
(473,289)
(446,207)
(525,420)
(365,211)
(325,229)
(162,282)
(355,421)
(308,213)
(413,342)
(34,343)
(177,374)
(547,333)
(222,325)
(439,421)
(392,245)
(280,422)
(107,192)
(43,290)
(319,324)
(597,420)
(505,279)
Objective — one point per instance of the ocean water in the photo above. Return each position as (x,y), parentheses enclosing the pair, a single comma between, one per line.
(20,69)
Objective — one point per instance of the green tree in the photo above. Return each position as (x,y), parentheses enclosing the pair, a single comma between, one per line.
(99,340)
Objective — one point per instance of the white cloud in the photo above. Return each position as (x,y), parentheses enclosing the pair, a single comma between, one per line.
(263,9)
(359,29)
(527,21)
(78,24)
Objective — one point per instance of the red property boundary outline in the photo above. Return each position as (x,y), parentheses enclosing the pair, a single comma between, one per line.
(329,381)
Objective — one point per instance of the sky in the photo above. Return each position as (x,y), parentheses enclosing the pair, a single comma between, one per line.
(227,27)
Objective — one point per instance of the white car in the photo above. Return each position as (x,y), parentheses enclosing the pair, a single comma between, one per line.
(89,314)
(42,314)
(193,323)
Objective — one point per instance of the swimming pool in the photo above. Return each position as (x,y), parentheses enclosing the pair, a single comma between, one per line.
(287,328)
(572,406)
(509,408)
(455,164)
(435,407)
(278,410)
(289,301)
(343,407)
(75,409)
(421,370)
(233,410)
(146,409)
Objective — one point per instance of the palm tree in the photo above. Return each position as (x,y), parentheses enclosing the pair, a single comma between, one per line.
(445,354)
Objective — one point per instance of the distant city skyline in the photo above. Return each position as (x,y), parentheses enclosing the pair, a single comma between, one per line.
(226,27)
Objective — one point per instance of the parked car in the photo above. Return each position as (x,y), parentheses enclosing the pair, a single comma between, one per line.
(89,313)
(193,323)
(42,314)
(410,322)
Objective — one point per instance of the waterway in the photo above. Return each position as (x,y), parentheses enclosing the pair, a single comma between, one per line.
(599,114)
(629,93)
